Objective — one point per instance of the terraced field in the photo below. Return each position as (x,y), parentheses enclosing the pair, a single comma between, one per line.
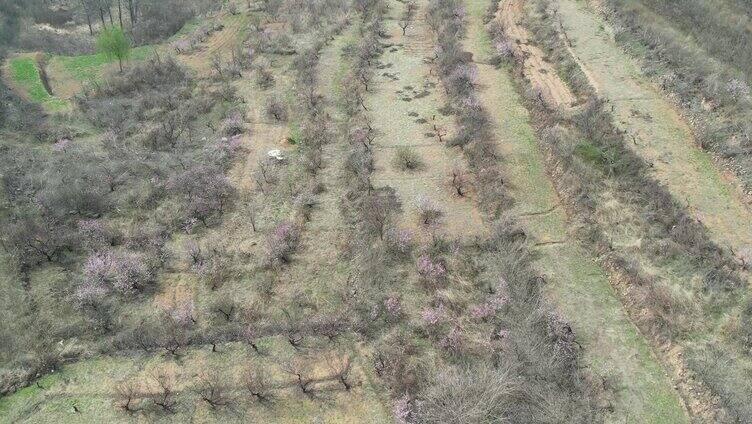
(88,390)
(405,109)
(659,133)
(582,290)
(379,211)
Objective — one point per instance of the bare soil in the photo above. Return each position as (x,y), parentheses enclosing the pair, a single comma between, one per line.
(541,74)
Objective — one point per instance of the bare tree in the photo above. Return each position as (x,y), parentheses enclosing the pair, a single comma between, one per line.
(340,367)
(213,390)
(379,209)
(174,335)
(128,393)
(251,336)
(407,16)
(225,307)
(251,210)
(164,394)
(460,181)
(330,326)
(293,329)
(218,334)
(299,368)
(258,382)
(216,63)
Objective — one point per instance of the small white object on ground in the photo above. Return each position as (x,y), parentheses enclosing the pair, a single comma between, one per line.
(276,154)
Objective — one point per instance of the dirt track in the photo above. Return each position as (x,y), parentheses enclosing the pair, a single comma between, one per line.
(580,288)
(658,132)
(541,74)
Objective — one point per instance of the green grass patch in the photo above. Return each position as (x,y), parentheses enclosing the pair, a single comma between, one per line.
(188,28)
(294,134)
(90,66)
(24,72)
(23,395)
(589,152)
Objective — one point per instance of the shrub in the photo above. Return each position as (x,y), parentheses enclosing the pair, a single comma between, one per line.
(468,395)
(429,212)
(406,159)
(276,109)
(264,78)
(233,125)
(400,242)
(282,242)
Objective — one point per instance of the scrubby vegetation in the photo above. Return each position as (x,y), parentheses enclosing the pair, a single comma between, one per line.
(207,217)
(709,75)
(593,163)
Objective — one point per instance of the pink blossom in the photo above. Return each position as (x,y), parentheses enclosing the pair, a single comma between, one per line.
(125,271)
(283,241)
(226,147)
(393,305)
(400,240)
(182,46)
(498,302)
(738,88)
(89,293)
(503,333)
(182,314)
(99,268)
(471,102)
(503,286)
(490,307)
(131,272)
(189,225)
(375,310)
(93,232)
(504,48)
(429,269)
(61,145)
(453,341)
(401,409)
(466,73)
(459,12)
(432,315)
(482,311)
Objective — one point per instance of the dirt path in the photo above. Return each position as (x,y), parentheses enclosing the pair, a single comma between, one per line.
(661,137)
(581,289)
(219,43)
(404,106)
(541,74)
(318,271)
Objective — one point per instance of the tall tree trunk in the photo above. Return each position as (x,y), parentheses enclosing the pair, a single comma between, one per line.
(88,16)
(101,16)
(109,12)
(120,13)
(133,10)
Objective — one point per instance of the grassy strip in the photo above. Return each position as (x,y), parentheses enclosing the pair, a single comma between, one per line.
(694,78)
(581,288)
(668,236)
(90,66)
(24,72)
